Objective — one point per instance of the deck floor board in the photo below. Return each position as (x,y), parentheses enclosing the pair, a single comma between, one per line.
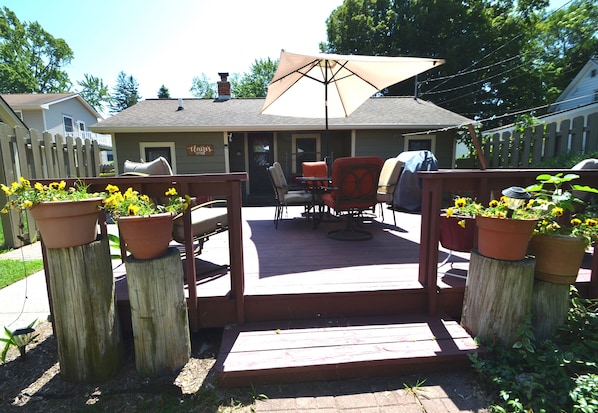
(260,352)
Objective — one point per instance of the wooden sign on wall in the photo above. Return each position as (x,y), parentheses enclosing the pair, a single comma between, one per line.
(200,150)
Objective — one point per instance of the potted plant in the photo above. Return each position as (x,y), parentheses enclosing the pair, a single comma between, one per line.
(457,224)
(66,216)
(565,231)
(506,225)
(145,226)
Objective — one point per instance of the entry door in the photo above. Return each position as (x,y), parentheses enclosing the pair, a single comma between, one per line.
(261,156)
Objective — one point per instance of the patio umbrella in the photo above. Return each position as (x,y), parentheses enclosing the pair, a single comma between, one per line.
(333,86)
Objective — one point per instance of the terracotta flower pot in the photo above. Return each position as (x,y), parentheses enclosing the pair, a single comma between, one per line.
(65,224)
(504,238)
(455,237)
(146,237)
(558,257)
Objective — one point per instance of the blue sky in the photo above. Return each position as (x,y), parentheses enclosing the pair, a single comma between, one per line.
(169,42)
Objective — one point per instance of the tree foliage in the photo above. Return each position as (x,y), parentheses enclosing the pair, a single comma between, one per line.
(202,88)
(95,92)
(125,93)
(501,56)
(163,93)
(31,59)
(255,83)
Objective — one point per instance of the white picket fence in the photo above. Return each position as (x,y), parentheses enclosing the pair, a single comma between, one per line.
(34,155)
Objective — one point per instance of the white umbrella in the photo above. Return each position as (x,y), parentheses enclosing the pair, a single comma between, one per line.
(333,86)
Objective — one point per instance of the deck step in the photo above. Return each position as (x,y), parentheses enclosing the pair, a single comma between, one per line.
(332,349)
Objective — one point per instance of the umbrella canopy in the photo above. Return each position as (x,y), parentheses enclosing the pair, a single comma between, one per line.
(333,86)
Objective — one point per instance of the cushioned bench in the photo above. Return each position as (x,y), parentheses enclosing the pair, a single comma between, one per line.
(207,218)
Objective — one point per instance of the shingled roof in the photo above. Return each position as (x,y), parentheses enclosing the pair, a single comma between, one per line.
(163,115)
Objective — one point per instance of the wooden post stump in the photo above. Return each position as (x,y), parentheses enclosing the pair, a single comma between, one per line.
(498,297)
(550,305)
(90,346)
(158,314)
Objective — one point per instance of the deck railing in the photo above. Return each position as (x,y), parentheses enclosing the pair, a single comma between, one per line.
(221,186)
(438,186)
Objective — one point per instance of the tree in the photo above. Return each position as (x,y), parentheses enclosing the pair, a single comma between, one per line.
(495,51)
(95,92)
(31,59)
(163,93)
(255,83)
(125,93)
(202,88)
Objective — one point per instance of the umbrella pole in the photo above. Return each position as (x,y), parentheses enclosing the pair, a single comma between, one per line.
(327,133)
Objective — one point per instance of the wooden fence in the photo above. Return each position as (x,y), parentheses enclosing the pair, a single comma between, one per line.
(537,143)
(35,155)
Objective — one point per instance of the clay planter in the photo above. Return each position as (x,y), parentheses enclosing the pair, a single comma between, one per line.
(558,257)
(504,238)
(146,237)
(65,224)
(453,236)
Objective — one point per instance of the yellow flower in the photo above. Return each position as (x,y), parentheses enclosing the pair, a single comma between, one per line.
(145,198)
(501,214)
(27,204)
(54,185)
(6,189)
(133,209)
(62,185)
(449,212)
(591,222)
(38,186)
(129,193)
(575,222)
(111,188)
(461,223)
(25,182)
(170,192)
(460,202)
(557,211)
(493,203)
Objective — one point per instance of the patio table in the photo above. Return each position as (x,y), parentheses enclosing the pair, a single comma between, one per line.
(316,185)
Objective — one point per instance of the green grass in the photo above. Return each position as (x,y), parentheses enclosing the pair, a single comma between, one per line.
(12,271)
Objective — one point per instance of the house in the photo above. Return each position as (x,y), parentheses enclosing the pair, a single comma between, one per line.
(8,116)
(67,114)
(578,100)
(230,135)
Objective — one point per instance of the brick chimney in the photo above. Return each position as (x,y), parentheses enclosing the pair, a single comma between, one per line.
(223,87)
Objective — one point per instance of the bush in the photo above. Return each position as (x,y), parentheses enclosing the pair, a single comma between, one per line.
(556,375)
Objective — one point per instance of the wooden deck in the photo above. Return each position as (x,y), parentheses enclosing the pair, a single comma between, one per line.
(297,272)
(284,281)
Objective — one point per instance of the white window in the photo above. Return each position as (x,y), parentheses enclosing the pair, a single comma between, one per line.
(68,125)
(420,143)
(306,148)
(153,150)
(81,125)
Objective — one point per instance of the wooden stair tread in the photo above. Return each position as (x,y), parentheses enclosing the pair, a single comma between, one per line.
(337,348)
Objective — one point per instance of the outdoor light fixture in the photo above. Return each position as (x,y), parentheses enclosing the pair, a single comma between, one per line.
(21,337)
(515,197)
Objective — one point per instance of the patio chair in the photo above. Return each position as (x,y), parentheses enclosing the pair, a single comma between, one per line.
(205,220)
(318,168)
(285,196)
(354,187)
(389,177)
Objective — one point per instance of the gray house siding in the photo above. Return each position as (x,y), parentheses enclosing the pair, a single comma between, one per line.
(128,147)
(34,119)
(71,108)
